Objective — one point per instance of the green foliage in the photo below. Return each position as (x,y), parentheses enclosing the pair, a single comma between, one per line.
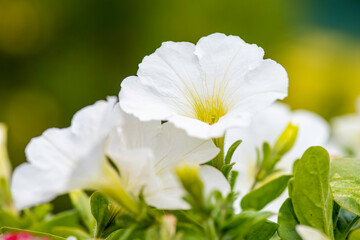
(287,221)
(311,194)
(345,183)
(262,230)
(81,202)
(355,235)
(104,212)
(226,169)
(344,222)
(257,199)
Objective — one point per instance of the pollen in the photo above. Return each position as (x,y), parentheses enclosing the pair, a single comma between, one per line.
(209,108)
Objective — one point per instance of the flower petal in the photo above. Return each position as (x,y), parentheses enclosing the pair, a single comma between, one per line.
(213,180)
(265,127)
(61,155)
(164,80)
(313,131)
(96,119)
(173,146)
(226,58)
(31,185)
(131,134)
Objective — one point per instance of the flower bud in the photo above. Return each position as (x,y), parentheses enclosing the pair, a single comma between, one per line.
(286,140)
(190,179)
(5,167)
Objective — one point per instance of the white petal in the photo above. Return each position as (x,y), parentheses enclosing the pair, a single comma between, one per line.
(96,119)
(213,180)
(193,127)
(313,131)
(54,149)
(145,102)
(164,80)
(309,233)
(260,87)
(173,146)
(168,194)
(347,131)
(226,58)
(136,169)
(131,134)
(61,155)
(31,185)
(265,127)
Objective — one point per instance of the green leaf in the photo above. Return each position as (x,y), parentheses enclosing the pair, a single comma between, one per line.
(226,169)
(345,221)
(8,219)
(122,234)
(258,198)
(345,183)
(64,219)
(34,233)
(41,211)
(232,180)
(243,223)
(355,235)
(81,202)
(100,209)
(287,221)
(290,187)
(311,194)
(262,231)
(79,233)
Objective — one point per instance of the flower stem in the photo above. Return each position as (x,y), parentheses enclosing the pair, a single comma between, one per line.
(218,161)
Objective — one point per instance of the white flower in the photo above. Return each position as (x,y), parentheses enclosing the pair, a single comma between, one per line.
(144,153)
(61,160)
(205,88)
(166,147)
(346,131)
(267,127)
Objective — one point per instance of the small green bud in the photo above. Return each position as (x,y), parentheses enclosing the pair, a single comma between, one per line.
(5,167)
(6,201)
(190,180)
(286,140)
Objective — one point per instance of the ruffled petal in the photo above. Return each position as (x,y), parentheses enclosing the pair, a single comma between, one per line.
(213,180)
(164,79)
(226,59)
(313,131)
(173,146)
(32,186)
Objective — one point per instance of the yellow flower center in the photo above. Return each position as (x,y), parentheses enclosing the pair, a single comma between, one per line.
(208,108)
(209,111)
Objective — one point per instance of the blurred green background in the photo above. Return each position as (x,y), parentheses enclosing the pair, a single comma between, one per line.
(59,56)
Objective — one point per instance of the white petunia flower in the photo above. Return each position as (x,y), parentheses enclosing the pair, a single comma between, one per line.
(267,126)
(61,160)
(205,88)
(144,153)
(346,131)
(167,147)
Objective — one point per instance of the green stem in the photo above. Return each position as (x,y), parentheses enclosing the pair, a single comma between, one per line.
(210,230)
(218,161)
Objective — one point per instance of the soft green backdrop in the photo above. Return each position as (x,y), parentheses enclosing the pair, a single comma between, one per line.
(59,56)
